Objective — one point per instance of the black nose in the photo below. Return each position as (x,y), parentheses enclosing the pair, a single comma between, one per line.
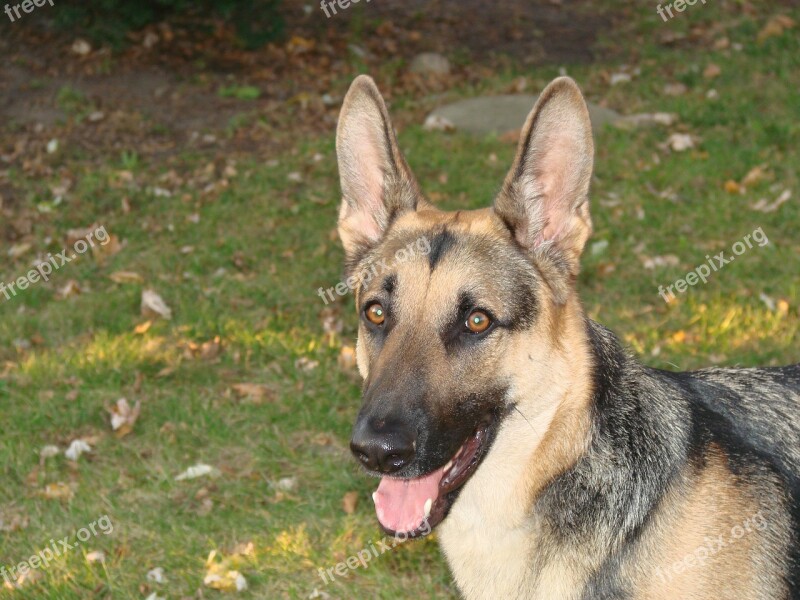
(382,445)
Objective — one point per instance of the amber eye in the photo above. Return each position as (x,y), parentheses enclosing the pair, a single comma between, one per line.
(375,314)
(478,321)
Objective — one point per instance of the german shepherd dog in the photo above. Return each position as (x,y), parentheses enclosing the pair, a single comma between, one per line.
(554,464)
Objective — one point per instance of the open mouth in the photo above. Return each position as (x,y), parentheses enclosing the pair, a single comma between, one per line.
(413,507)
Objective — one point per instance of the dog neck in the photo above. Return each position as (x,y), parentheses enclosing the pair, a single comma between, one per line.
(553,464)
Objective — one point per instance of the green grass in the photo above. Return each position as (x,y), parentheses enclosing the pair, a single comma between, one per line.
(262,247)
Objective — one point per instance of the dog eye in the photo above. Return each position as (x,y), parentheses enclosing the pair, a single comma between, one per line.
(375,313)
(478,321)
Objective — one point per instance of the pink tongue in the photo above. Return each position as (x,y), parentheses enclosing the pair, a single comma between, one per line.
(400,503)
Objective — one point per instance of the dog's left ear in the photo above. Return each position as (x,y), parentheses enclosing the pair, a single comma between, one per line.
(544,200)
(377,185)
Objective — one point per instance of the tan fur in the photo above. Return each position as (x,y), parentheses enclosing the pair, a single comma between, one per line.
(488,534)
(673,563)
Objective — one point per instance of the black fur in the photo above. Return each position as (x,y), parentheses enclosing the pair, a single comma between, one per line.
(657,423)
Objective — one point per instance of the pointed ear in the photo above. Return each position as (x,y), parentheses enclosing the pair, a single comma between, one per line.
(544,200)
(377,185)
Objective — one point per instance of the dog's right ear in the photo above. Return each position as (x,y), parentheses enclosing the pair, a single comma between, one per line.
(377,185)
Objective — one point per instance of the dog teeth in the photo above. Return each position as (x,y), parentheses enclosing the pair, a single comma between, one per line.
(375,497)
(428,505)
(448,465)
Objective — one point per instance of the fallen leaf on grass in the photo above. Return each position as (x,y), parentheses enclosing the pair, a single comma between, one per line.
(220,577)
(349,502)
(712,71)
(208,350)
(69,289)
(143,328)
(12,519)
(347,358)
(153,306)
(96,556)
(754,175)
(734,187)
(768,301)
(675,89)
(80,47)
(679,142)
(775,27)
(18,250)
(123,416)
(48,451)
(438,123)
(198,470)
(767,207)
(28,578)
(107,249)
(305,364)
(331,318)
(156,575)
(76,448)
(668,260)
(286,484)
(58,491)
(255,393)
(126,277)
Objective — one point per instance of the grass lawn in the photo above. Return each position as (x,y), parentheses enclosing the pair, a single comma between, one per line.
(238,251)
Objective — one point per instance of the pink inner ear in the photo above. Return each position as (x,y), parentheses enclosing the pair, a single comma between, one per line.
(555,173)
(368,185)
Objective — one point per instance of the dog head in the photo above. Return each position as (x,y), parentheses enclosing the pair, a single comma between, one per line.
(454,306)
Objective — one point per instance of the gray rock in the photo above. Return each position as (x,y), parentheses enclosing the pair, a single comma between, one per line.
(430,63)
(501,114)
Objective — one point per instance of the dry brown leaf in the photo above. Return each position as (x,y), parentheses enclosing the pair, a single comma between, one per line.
(58,491)
(347,358)
(143,328)
(349,502)
(80,233)
(733,187)
(166,372)
(775,27)
(211,349)
(255,393)
(679,337)
(126,277)
(23,580)
(208,350)
(712,71)
(69,289)
(12,518)
(754,175)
